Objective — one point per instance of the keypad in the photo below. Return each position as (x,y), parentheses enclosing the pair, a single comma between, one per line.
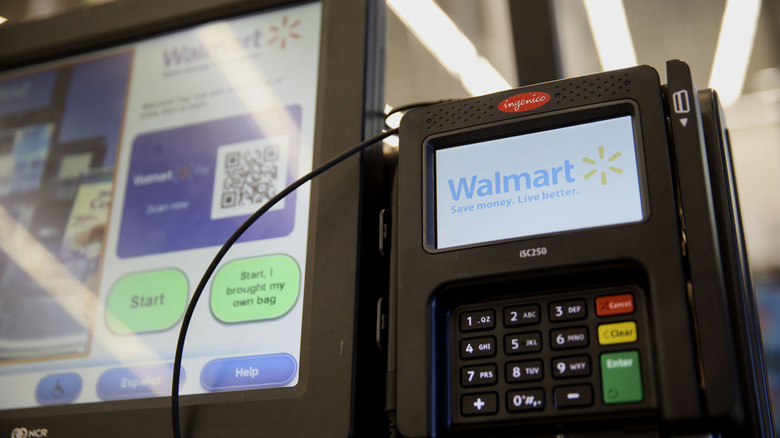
(581,352)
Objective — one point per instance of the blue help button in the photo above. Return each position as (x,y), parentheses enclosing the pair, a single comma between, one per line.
(248,372)
(56,389)
(136,382)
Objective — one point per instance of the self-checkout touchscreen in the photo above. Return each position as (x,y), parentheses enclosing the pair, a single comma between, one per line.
(122,172)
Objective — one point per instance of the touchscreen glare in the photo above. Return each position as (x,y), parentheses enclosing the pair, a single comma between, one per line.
(570,178)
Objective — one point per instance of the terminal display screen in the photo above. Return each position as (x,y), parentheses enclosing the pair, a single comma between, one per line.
(122,172)
(575,177)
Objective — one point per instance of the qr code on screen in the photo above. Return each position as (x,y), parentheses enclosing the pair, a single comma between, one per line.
(247,175)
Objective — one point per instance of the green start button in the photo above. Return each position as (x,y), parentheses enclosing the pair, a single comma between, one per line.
(621,377)
(151,301)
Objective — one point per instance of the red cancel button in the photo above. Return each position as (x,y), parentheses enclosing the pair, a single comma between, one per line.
(615,305)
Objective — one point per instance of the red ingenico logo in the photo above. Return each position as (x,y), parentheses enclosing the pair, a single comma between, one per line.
(524,102)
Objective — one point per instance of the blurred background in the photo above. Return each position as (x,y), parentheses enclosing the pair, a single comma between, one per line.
(458,48)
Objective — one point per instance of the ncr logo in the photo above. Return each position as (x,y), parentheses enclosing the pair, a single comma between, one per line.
(23,432)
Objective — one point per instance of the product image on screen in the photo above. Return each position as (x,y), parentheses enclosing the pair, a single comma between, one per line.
(570,178)
(122,172)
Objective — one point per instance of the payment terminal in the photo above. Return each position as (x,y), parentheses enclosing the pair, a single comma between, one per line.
(568,260)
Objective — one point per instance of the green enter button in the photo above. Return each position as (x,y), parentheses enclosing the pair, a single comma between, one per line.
(621,377)
(146,301)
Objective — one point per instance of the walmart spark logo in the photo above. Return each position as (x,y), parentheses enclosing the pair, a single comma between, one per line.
(287,30)
(600,165)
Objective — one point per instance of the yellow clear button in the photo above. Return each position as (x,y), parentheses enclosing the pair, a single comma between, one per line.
(617,333)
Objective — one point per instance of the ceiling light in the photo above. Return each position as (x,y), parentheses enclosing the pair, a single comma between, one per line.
(436,31)
(609,26)
(735,44)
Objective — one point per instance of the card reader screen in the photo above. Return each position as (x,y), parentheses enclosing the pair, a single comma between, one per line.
(571,178)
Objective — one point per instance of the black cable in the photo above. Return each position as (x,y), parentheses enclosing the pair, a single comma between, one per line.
(403,108)
(185,323)
(407,107)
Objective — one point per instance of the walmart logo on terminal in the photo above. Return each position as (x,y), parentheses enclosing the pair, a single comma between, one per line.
(514,182)
(614,157)
(468,187)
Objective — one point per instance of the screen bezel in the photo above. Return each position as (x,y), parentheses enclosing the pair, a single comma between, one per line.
(519,127)
(349,37)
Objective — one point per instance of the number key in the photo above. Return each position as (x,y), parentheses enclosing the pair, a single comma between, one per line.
(574,366)
(525,400)
(527,371)
(569,338)
(568,310)
(478,375)
(521,315)
(477,320)
(519,343)
(478,347)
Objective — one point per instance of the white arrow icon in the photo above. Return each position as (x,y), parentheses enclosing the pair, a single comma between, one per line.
(684,121)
